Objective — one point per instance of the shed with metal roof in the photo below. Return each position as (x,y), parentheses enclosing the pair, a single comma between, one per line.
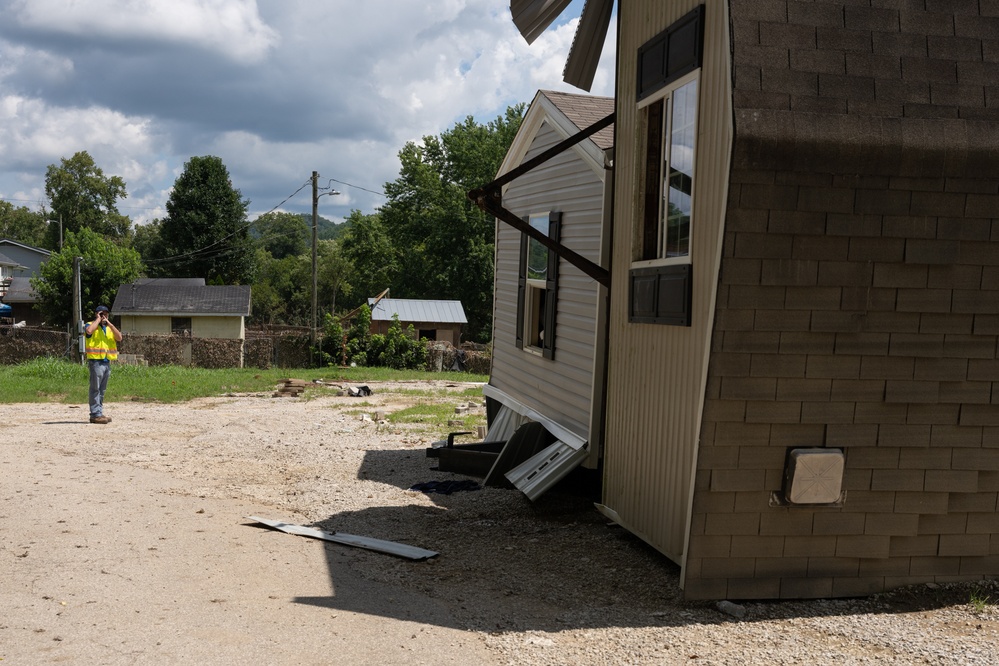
(431,319)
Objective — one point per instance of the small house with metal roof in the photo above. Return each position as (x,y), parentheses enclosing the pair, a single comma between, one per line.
(437,320)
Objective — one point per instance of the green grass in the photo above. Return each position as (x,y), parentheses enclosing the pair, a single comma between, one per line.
(980,600)
(435,417)
(56,380)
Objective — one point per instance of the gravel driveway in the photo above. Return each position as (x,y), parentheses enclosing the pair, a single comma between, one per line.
(129,544)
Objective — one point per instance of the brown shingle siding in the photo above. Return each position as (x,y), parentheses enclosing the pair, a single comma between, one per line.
(891,524)
(924,458)
(897,479)
(940,480)
(921,502)
(859,302)
(952,545)
(973,502)
(862,546)
(861,390)
(786,522)
(920,24)
(904,546)
(886,457)
(797,588)
(978,27)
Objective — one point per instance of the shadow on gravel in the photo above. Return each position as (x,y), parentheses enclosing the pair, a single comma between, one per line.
(507,564)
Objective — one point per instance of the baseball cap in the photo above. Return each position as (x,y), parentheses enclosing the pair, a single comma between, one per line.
(102,308)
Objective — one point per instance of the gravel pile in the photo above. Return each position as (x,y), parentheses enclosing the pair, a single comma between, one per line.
(545,583)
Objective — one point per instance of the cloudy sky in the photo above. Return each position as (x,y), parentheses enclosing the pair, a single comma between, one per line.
(276,88)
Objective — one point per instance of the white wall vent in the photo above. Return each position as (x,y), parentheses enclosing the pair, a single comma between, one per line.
(814,476)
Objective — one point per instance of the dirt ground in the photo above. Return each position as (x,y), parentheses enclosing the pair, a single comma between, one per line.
(130,544)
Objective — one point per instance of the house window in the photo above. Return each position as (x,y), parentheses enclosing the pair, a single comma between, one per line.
(538,287)
(671,143)
(180,326)
(668,81)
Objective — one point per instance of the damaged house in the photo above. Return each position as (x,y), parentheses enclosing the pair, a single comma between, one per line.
(801,381)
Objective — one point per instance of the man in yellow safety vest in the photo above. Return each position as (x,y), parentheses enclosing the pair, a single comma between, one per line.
(102,348)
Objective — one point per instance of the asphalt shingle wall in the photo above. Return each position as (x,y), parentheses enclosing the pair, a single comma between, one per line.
(858,302)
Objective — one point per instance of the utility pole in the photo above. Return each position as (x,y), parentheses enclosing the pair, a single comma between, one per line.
(315,242)
(77,308)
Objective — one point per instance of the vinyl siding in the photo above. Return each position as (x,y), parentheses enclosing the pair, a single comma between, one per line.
(562,389)
(656,373)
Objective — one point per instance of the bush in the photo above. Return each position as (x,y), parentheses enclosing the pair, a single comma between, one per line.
(398,349)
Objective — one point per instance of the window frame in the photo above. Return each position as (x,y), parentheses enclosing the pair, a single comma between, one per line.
(655,190)
(530,314)
(177,326)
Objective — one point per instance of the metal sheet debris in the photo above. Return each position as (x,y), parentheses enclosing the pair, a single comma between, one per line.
(379,545)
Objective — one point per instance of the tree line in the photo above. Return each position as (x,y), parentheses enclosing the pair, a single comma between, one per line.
(428,241)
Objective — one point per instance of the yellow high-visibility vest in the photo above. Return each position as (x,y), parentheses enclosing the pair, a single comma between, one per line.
(101,345)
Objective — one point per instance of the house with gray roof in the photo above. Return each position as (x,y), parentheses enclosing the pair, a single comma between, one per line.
(432,319)
(182,306)
(20,260)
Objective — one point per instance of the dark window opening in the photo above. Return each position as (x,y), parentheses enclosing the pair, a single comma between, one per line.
(180,326)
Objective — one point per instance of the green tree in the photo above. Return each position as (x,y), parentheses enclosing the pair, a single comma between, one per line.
(283,234)
(82,197)
(444,243)
(371,257)
(332,273)
(146,241)
(205,233)
(282,292)
(22,225)
(105,267)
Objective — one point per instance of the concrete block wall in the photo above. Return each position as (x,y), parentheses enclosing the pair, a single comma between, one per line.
(858,301)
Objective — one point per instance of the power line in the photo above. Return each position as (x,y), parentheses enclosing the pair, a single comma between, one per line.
(201,252)
(357,187)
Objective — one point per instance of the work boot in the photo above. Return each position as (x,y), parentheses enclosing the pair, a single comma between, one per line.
(103,420)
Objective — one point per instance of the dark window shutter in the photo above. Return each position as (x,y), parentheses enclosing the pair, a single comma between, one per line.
(660,295)
(522,286)
(551,286)
(674,52)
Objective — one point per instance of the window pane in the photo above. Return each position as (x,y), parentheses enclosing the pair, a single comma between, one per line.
(680,170)
(537,254)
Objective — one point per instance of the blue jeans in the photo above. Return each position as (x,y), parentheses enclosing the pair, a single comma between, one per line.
(99,373)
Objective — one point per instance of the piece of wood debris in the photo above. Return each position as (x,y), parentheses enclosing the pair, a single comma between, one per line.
(289,388)
(379,545)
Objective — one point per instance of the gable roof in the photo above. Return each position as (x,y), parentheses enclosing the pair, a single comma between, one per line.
(584,110)
(14,243)
(164,299)
(568,114)
(440,312)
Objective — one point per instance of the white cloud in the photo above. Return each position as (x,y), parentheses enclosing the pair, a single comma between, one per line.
(337,87)
(232,27)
